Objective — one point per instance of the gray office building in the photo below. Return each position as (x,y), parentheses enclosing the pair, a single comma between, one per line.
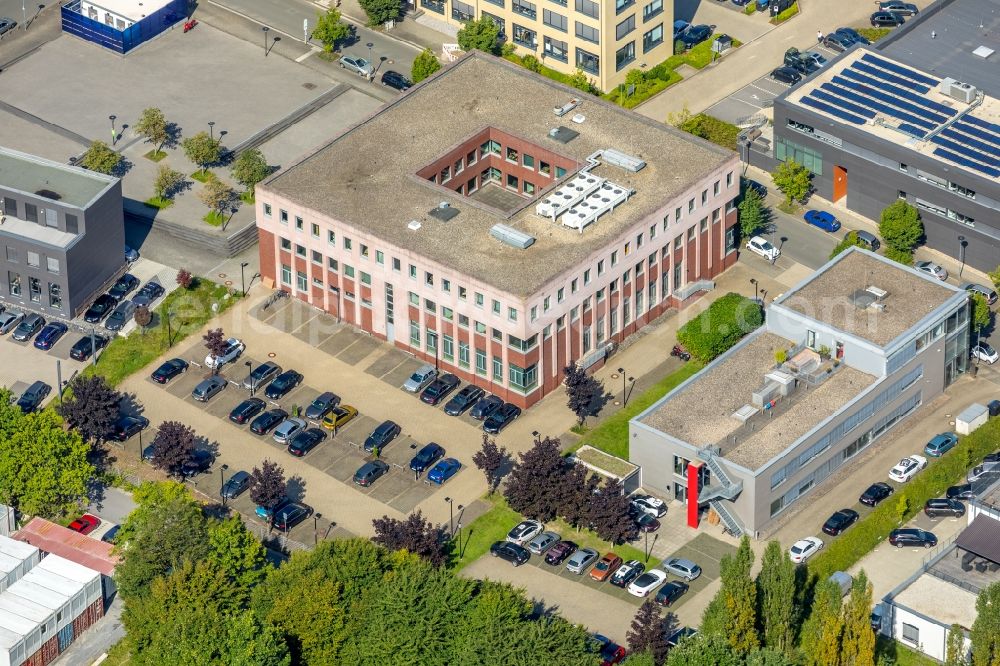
(915,116)
(62,234)
(843,357)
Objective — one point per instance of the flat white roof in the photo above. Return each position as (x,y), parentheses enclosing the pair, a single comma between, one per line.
(67,569)
(8,638)
(16,624)
(134,10)
(59,584)
(18,549)
(925,595)
(26,608)
(39,594)
(8,563)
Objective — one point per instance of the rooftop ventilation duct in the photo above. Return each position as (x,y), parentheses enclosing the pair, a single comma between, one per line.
(621,160)
(512,236)
(561,111)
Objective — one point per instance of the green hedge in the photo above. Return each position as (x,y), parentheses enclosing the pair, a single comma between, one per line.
(712,129)
(846,550)
(721,326)
(787,14)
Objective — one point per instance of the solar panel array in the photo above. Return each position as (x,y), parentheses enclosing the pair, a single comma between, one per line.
(969,142)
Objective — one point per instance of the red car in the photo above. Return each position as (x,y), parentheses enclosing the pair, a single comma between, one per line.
(611,653)
(85,524)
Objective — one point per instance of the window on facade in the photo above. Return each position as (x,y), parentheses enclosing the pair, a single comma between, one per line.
(348,244)
(496,306)
(624,56)
(348,271)
(480,328)
(317,258)
(414,334)
(301,281)
(557,50)
(13,283)
(522,379)
(588,62)
(497,369)
(463,321)
(652,9)
(286,274)
(35,289)
(911,634)
(332,264)
(625,27)
(600,267)
(300,251)
(588,8)
(534,312)
(544,168)
(461,11)
(286,244)
(298,223)
(314,229)
(33,259)
(55,295)
(524,8)
(652,38)
(463,355)
(480,362)
(587,33)
(72,225)
(512,314)
(554,20)
(622,5)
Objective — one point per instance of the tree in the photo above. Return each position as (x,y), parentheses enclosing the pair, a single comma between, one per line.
(581,81)
(776,599)
(721,326)
(529,488)
(985,634)
(753,216)
(493,461)
(794,181)
(901,228)
(201,149)
(995,277)
(647,632)
(92,408)
(380,11)
(415,535)
(582,390)
(480,34)
(608,512)
(173,447)
(167,181)
(237,553)
(142,317)
(706,650)
(216,344)
(101,158)
(981,313)
(330,29)
(217,196)
(955,648)
(850,240)
(149,498)
(267,484)
(858,643)
(184,278)
(152,126)
(571,493)
(739,598)
(424,65)
(251,167)
(822,631)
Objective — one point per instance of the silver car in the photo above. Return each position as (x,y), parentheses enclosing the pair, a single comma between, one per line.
(206,388)
(7,24)
(932,269)
(682,568)
(261,375)
(288,429)
(9,320)
(122,315)
(424,375)
(357,65)
(581,559)
(543,542)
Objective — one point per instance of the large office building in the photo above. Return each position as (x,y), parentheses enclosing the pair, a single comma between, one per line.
(914,117)
(62,231)
(843,357)
(504,240)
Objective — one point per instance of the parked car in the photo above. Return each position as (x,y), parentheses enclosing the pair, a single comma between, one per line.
(358,65)
(234,347)
(994,407)
(944,507)
(463,400)
(121,315)
(610,652)
(670,592)
(423,376)
(281,385)
(7,24)
(207,388)
(644,521)
(682,568)
(199,463)
(235,485)
(501,418)
(339,416)
(817,58)
(904,8)
(9,320)
(100,308)
(370,472)
(886,19)
(396,80)
(49,336)
(695,35)
(822,220)
(28,327)
(606,567)
(168,370)
(33,396)
(149,293)
(982,351)
(483,409)
(986,292)
(290,515)
(785,74)
(558,553)
(543,542)
(840,521)
(853,35)
(680,27)
(627,573)
(305,441)
(838,42)
(748,184)
(912,537)
(266,513)
(269,419)
(261,375)
(323,403)
(580,560)
(876,493)
(684,632)
(83,348)
(989,470)
(131,255)
(960,492)
(761,246)
(247,410)
(288,429)
(654,506)
(646,583)
(524,531)
(439,389)
(932,269)
(127,427)
(426,457)
(382,435)
(907,468)
(85,524)
(511,552)
(123,286)
(803,549)
(941,444)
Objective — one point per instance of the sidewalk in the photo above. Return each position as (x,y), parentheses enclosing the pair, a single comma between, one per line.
(407,30)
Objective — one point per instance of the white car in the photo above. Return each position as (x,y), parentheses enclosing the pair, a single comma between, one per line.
(803,549)
(525,531)
(654,506)
(762,247)
(984,352)
(647,582)
(931,269)
(234,347)
(907,468)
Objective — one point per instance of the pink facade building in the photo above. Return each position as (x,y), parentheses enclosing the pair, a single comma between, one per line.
(493,222)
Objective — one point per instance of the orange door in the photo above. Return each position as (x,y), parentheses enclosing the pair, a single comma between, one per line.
(839,183)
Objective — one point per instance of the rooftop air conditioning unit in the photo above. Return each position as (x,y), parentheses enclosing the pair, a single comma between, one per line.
(512,236)
(963,92)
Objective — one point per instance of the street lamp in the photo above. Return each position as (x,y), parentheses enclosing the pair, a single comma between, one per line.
(243,280)
(756,291)
(371,75)
(114,132)
(211,129)
(265,29)
(316,517)
(222,488)
(253,384)
(961,251)
(621,371)
(649,548)
(460,510)
(451,516)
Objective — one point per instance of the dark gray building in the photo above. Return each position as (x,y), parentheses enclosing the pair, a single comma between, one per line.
(915,117)
(62,234)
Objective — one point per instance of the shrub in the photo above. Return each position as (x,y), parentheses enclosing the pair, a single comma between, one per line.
(424,65)
(787,14)
(679,47)
(532,64)
(711,129)
(720,326)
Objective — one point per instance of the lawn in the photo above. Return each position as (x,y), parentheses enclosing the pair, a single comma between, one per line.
(189,311)
(603,461)
(900,654)
(215,218)
(483,531)
(611,436)
(873,34)
(159,202)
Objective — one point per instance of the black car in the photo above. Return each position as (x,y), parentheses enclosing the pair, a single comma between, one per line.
(886,19)
(627,573)
(840,521)
(290,515)
(100,309)
(235,485)
(804,66)
(50,335)
(960,492)
(370,472)
(264,423)
(944,507)
(149,293)
(876,493)
(122,315)
(501,418)
(464,399)
(323,403)
(559,552)
(382,435)
(33,396)
(695,35)
(201,460)
(305,441)
(123,286)
(670,592)
(485,407)
(169,370)
(912,537)
(439,388)
(84,347)
(426,458)
(511,552)
(396,80)
(127,427)
(246,410)
(282,384)
(838,42)
(644,521)
(994,407)
(786,75)
(853,35)
(749,184)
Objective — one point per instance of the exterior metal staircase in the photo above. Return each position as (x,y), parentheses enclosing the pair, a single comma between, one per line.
(722,488)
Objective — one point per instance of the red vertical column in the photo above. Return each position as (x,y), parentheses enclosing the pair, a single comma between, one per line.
(692,493)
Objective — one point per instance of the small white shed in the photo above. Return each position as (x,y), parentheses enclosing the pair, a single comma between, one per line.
(971,418)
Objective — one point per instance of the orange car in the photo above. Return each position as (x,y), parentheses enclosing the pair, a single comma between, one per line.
(607,566)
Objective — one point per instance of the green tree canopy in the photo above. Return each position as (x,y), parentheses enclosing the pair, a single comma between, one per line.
(237,553)
(250,168)
(981,313)
(955,647)
(101,158)
(793,180)
(858,645)
(985,633)
(216,195)
(753,215)
(152,126)
(480,34)
(424,65)
(330,29)
(850,240)
(822,631)
(201,149)
(900,227)
(776,598)
(380,11)
(167,181)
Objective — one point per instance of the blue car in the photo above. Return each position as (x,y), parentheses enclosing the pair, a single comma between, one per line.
(444,470)
(941,444)
(50,335)
(822,219)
